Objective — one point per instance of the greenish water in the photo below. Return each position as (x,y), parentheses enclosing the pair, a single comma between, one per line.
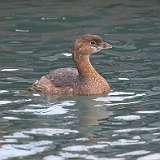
(35,36)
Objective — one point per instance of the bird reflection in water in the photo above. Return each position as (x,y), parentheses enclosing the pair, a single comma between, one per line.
(91,113)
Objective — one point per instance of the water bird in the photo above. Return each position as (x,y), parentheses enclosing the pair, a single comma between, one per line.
(82,80)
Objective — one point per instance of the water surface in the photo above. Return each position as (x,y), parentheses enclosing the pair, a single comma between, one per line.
(36,36)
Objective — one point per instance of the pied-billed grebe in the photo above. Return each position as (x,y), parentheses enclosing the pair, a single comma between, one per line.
(81,81)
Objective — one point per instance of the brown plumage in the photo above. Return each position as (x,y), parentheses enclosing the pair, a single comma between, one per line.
(82,80)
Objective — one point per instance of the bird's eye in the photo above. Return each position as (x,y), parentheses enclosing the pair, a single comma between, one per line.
(93,43)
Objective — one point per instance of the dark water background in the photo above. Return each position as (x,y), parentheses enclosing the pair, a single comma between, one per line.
(35,36)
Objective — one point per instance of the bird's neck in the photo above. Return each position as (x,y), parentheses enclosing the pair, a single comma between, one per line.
(85,68)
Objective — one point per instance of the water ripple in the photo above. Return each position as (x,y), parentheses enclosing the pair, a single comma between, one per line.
(9,69)
(3,91)
(5,102)
(18,150)
(22,30)
(40,131)
(153,156)
(53,157)
(149,112)
(50,131)
(128,117)
(117,98)
(51,109)
(86,156)
(11,118)
(133,153)
(80,148)
(136,129)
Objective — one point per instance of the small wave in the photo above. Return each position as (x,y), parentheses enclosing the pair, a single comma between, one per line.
(80,148)
(119,97)
(128,117)
(86,156)
(148,112)
(52,109)
(67,54)
(48,18)
(9,69)
(5,102)
(135,129)
(22,30)
(40,131)
(124,142)
(19,150)
(50,131)
(11,118)
(3,91)
(53,157)
(123,79)
(133,153)
(153,156)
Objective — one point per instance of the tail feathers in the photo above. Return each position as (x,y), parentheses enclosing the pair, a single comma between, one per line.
(43,85)
(28,90)
(35,87)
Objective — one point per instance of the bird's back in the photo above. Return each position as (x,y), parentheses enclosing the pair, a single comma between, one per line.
(63,76)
